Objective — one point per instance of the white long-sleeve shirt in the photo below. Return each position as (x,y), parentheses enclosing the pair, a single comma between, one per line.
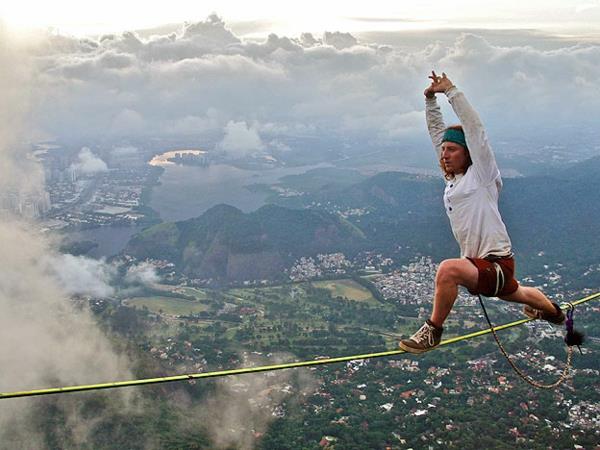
(471,199)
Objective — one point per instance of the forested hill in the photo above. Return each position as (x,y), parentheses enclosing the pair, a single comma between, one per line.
(554,216)
(226,244)
(558,214)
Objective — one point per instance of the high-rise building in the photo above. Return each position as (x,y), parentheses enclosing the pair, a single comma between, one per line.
(31,205)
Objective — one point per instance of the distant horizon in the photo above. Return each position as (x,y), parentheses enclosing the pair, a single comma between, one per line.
(258,31)
(577,18)
(244,81)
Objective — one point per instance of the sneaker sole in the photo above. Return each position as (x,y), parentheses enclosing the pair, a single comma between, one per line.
(533,314)
(408,349)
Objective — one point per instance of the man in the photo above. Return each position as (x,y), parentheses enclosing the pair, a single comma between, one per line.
(471,195)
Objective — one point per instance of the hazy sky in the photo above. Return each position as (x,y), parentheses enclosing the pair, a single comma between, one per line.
(260,73)
(82,18)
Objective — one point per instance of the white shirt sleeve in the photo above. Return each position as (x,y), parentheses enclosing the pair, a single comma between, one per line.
(435,124)
(484,162)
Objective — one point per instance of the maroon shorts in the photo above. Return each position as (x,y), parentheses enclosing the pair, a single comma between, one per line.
(492,283)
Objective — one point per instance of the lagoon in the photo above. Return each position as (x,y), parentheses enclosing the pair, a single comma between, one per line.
(188,191)
(185,192)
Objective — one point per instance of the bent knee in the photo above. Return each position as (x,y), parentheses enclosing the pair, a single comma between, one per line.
(449,270)
(457,271)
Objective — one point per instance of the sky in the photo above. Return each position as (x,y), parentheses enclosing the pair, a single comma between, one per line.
(261,74)
(83,18)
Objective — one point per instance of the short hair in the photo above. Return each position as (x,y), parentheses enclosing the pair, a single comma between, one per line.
(448,175)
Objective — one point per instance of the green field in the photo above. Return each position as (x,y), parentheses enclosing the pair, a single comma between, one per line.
(198,294)
(348,289)
(167,305)
(345,288)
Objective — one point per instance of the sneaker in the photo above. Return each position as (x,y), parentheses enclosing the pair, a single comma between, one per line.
(427,338)
(558,318)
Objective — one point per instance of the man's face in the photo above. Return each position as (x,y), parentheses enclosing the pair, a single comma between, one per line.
(454,157)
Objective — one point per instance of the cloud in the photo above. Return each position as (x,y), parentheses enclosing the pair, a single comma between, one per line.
(546,84)
(386,19)
(88,163)
(308,40)
(118,61)
(19,174)
(240,139)
(211,33)
(78,275)
(127,122)
(193,124)
(242,407)
(399,125)
(336,85)
(143,273)
(46,339)
(339,40)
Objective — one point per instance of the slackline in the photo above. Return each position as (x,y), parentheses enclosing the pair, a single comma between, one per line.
(241,371)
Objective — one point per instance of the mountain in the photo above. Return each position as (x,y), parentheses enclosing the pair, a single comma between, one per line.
(588,169)
(226,244)
(556,214)
(404,210)
(403,214)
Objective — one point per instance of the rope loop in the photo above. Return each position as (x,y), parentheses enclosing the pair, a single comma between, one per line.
(561,379)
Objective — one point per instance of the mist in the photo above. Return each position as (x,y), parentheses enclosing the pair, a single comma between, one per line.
(242,407)
(46,341)
(204,80)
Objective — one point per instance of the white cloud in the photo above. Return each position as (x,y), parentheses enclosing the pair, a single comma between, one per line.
(143,273)
(125,85)
(193,124)
(128,122)
(400,125)
(78,275)
(45,339)
(339,40)
(308,40)
(211,33)
(240,139)
(88,162)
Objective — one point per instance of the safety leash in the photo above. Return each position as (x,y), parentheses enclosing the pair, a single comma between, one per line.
(573,338)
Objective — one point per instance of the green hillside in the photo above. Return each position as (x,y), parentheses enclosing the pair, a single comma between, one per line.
(226,244)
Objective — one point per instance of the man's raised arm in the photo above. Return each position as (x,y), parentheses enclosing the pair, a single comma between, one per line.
(435,120)
(484,162)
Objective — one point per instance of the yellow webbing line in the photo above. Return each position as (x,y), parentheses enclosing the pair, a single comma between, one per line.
(223,373)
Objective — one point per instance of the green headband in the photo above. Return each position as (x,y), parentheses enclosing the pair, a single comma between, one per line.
(456,136)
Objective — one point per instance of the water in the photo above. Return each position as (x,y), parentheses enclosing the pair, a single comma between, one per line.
(163,159)
(110,240)
(188,191)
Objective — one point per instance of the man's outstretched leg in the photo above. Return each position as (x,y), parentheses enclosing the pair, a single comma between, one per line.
(451,274)
(537,305)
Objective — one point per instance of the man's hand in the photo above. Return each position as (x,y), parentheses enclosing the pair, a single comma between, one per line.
(438,84)
(429,92)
